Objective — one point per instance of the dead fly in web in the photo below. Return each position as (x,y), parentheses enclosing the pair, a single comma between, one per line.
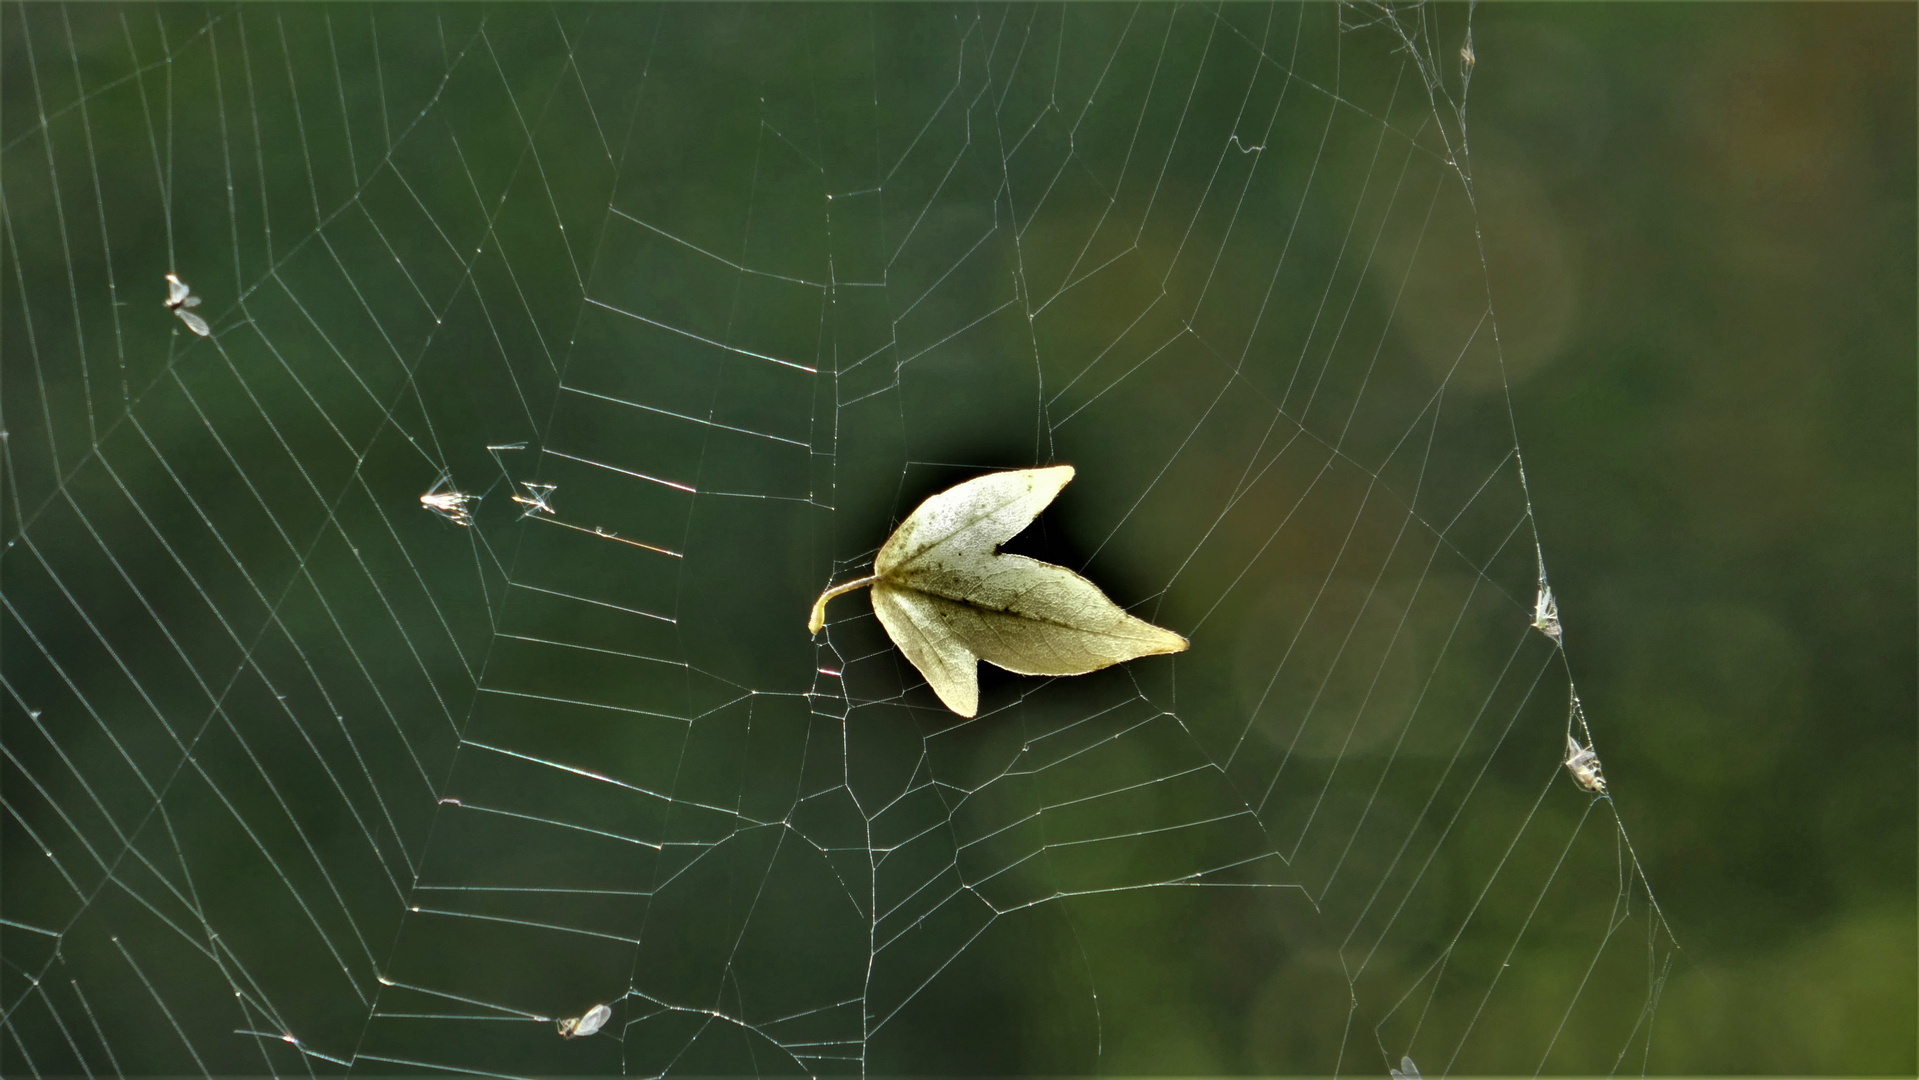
(1546,613)
(449,504)
(574,1027)
(1583,763)
(1406,1071)
(179,298)
(535,499)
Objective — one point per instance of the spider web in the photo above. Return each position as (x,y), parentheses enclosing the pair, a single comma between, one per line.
(672,313)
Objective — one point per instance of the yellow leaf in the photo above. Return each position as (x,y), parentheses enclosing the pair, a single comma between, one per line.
(949,600)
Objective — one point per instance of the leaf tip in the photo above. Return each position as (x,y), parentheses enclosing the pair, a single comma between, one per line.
(960,696)
(1060,475)
(1165,642)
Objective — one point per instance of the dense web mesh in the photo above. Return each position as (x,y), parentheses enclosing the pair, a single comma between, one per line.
(419,660)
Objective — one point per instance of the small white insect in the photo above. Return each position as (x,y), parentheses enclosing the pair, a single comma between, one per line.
(1466,54)
(1583,763)
(589,1022)
(179,298)
(535,499)
(449,504)
(1546,614)
(1406,1071)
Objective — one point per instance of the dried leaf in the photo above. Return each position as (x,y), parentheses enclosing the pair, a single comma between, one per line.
(949,600)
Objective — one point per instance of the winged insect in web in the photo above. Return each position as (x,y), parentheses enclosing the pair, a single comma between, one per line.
(1583,764)
(1582,761)
(535,499)
(587,1023)
(1406,1071)
(179,298)
(449,502)
(1546,613)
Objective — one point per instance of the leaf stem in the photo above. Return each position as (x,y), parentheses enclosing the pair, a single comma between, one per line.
(817,620)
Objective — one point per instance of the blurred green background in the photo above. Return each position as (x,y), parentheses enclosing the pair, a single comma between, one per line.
(245,671)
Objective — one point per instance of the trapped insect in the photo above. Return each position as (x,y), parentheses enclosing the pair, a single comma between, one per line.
(1583,764)
(179,298)
(587,1023)
(1406,1071)
(450,504)
(536,498)
(1546,613)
